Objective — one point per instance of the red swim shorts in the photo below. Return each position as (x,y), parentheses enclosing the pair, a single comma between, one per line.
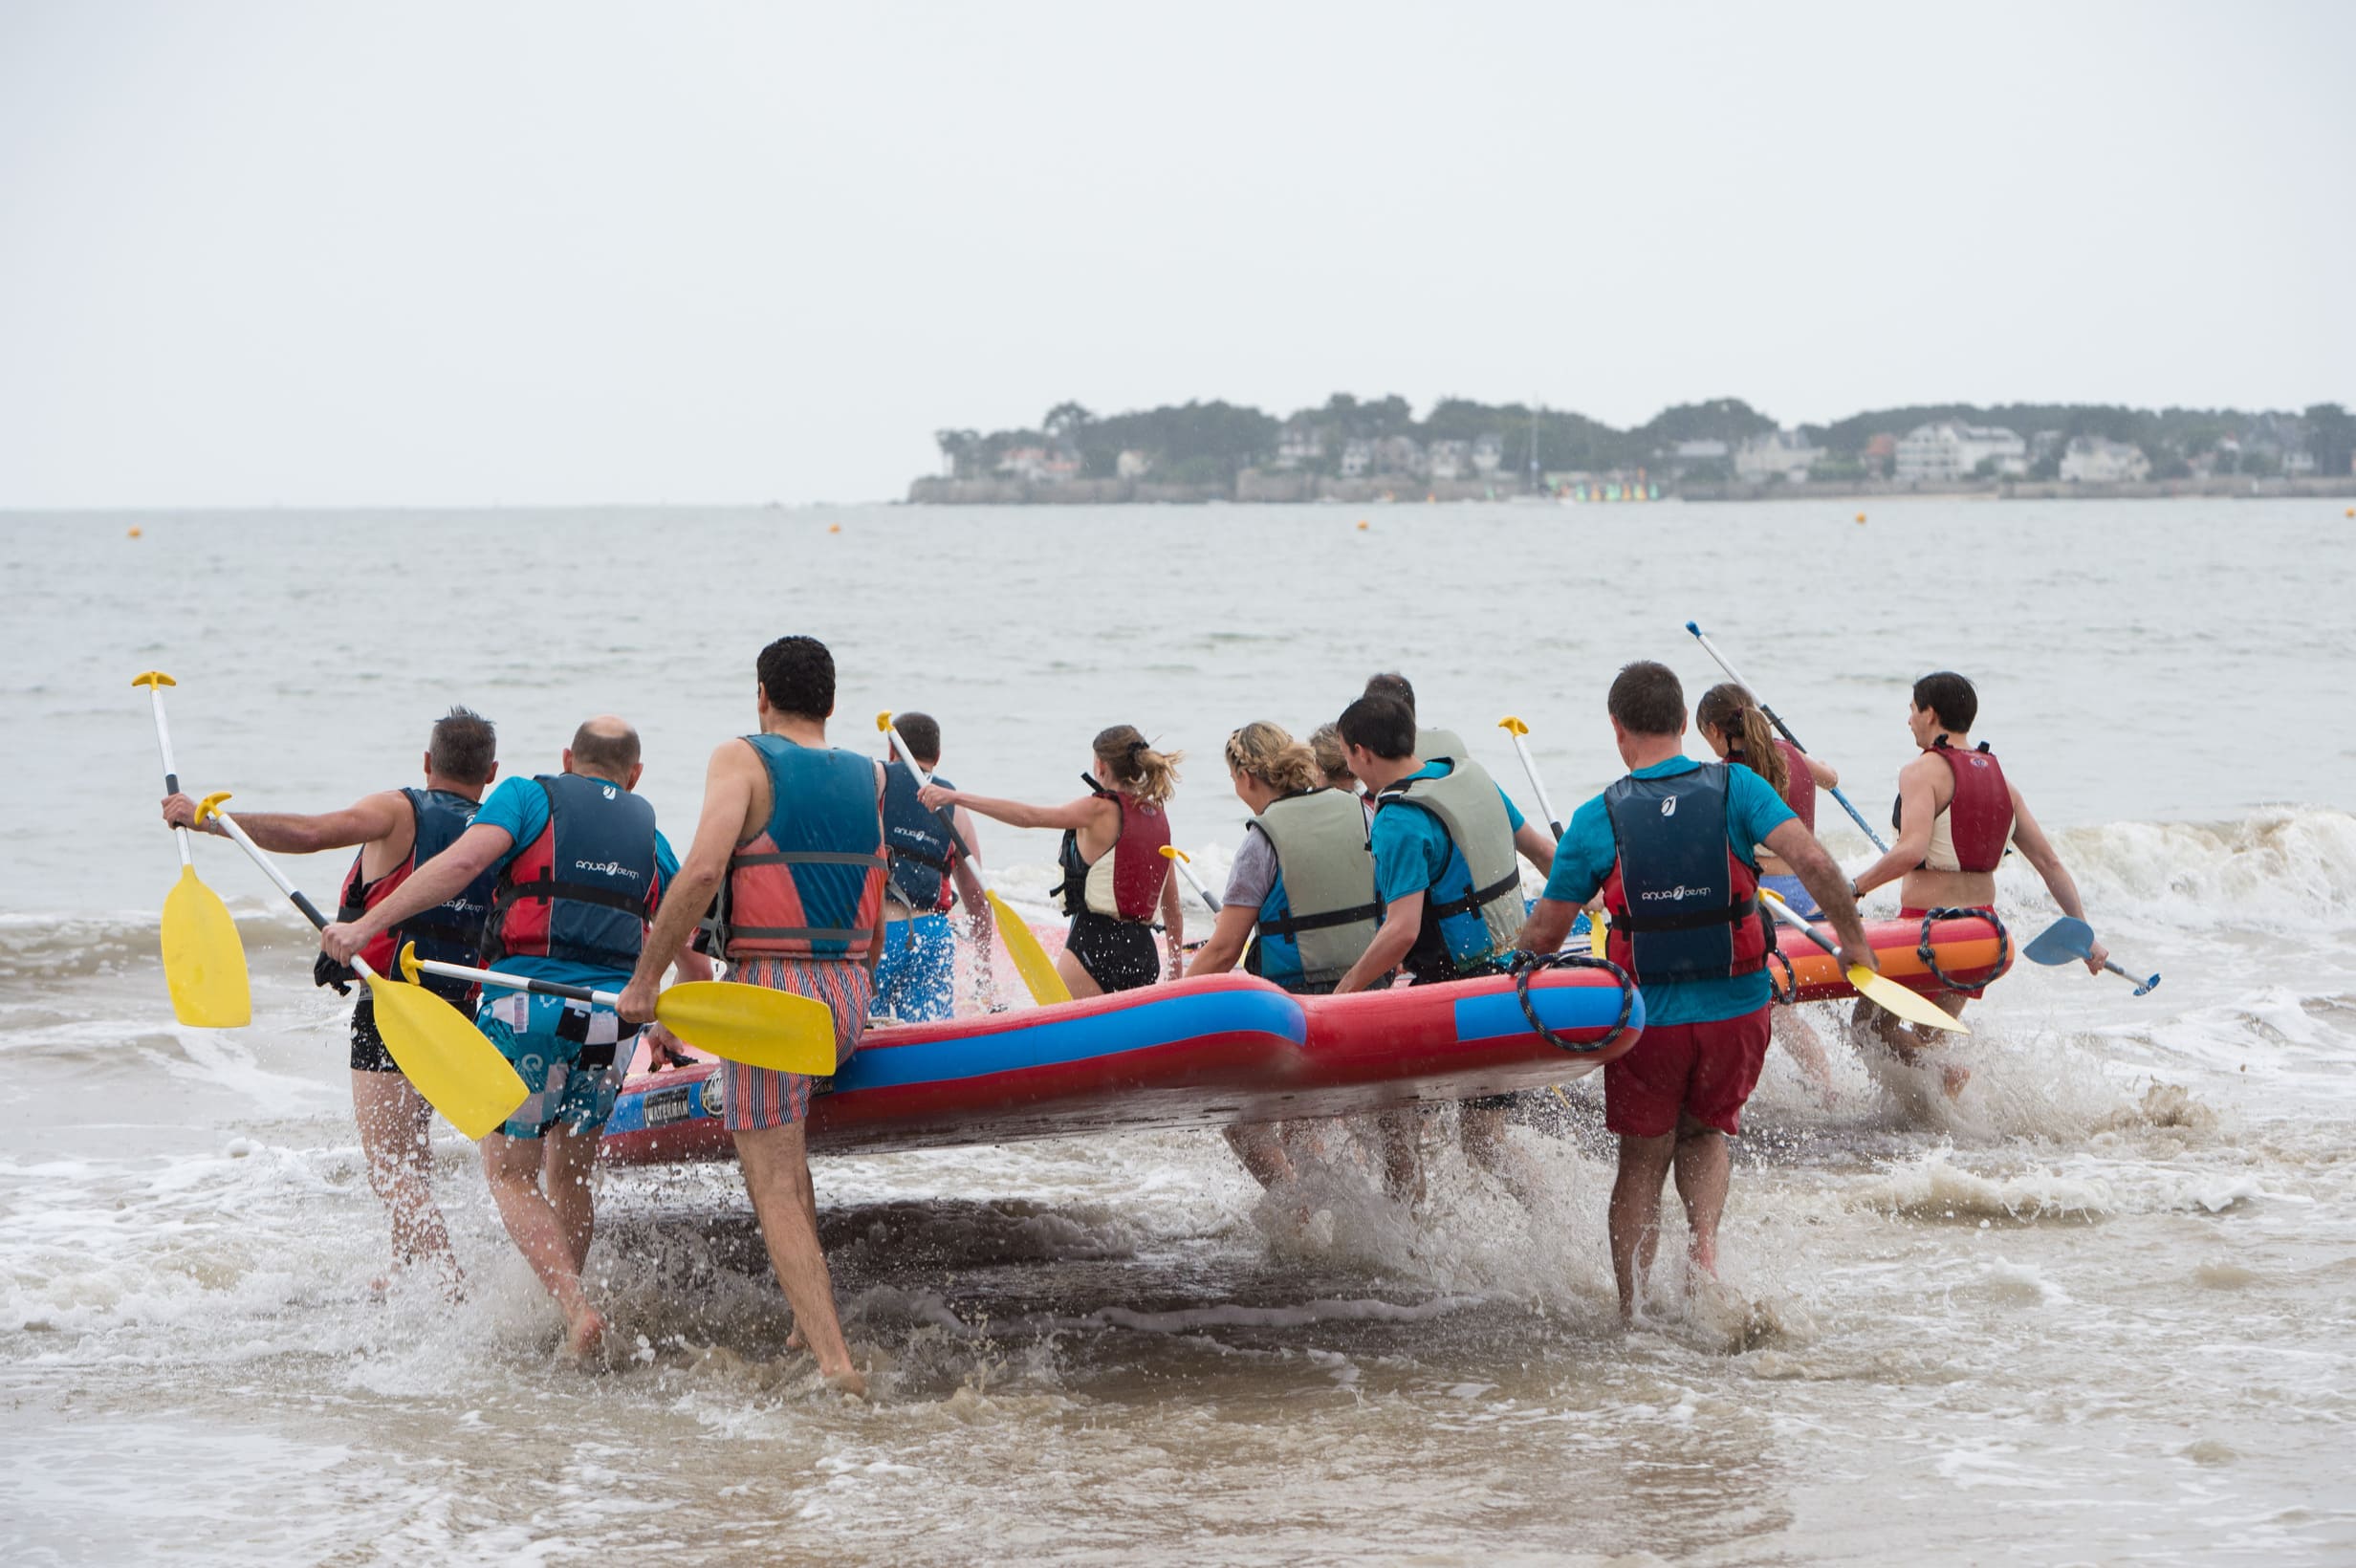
(754,1099)
(1973,991)
(1705,1070)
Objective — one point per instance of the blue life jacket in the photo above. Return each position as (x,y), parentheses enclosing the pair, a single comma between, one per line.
(922,843)
(587,889)
(1683,901)
(811,884)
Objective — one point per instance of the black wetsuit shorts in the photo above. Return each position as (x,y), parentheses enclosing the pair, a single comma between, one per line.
(1117,954)
(368,1052)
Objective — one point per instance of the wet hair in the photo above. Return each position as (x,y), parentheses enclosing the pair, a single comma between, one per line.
(1385,726)
(1954,699)
(1268,753)
(1646,699)
(1136,767)
(605,746)
(1333,756)
(1394,685)
(463,746)
(922,733)
(799,674)
(1730,710)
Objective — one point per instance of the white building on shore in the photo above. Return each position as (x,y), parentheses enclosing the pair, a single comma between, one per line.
(2094,461)
(1950,451)
(1784,454)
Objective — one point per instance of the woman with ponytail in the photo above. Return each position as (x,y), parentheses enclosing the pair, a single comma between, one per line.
(1115,878)
(1733,728)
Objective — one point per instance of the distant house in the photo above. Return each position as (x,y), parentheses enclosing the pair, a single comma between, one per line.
(1039,464)
(1357,459)
(1880,453)
(1785,454)
(1488,454)
(1449,459)
(1398,454)
(2091,460)
(1133,464)
(1948,451)
(1299,447)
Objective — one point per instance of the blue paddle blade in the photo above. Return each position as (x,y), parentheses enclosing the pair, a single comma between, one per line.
(2065,940)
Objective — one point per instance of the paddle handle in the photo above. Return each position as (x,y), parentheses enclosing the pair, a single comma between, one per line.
(515,982)
(1784,729)
(1529,765)
(1186,868)
(211,807)
(154,681)
(2142,983)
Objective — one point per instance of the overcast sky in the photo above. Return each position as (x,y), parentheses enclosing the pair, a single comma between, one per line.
(430,253)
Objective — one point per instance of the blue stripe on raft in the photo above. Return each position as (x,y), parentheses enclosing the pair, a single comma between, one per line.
(1562,1008)
(1164,1021)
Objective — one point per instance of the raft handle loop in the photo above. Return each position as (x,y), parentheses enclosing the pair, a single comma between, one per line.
(1789,991)
(1930,958)
(1527,964)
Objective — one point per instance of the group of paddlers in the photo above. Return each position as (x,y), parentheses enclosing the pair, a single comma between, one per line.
(1377,853)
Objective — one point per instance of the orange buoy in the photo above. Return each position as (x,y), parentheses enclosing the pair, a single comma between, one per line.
(834,528)
(1861,516)
(134,533)
(1361,525)
(2351,512)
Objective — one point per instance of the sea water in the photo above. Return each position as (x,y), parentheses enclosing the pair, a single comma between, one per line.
(2097,1310)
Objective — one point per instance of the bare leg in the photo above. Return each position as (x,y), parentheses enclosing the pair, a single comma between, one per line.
(1403,1152)
(1703,1173)
(776,1170)
(1909,1044)
(512,1165)
(395,1137)
(1076,978)
(566,1157)
(1636,1213)
(1796,1035)
(1261,1147)
(1481,1128)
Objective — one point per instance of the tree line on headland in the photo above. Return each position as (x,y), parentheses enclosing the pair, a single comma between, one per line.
(1517,446)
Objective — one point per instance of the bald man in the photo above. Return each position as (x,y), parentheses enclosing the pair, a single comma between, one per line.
(580,873)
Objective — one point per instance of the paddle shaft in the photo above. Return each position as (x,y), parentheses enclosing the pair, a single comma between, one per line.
(923,777)
(1529,765)
(518,982)
(1785,729)
(1196,882)
(171,773)
(295,894)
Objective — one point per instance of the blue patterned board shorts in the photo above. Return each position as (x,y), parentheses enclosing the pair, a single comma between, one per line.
(917,976)
(571,1057)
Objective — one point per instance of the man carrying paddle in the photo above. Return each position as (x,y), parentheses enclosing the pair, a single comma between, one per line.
(1670,848)
(790,842)
(932,861)
(579,869)
(1955,817)
(395,831)
(1445,840)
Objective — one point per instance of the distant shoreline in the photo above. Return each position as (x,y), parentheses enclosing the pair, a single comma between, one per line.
(1255,487)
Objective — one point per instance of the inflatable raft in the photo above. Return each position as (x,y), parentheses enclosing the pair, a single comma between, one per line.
(1968,950)
(1213,1051)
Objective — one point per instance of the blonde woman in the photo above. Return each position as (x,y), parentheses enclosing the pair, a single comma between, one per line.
(1115,877)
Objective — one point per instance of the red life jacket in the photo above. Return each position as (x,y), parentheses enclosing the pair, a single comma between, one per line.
(811,883)
(1799,785)
(1979,815)
(1139,868)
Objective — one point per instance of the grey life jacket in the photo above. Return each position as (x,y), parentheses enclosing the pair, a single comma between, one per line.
(1470,922)
(1329,911)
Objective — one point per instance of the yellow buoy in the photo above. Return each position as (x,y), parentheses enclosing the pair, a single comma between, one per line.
(1361,525)
(834,528)
(134,533)
(1861,516)
(2351,512)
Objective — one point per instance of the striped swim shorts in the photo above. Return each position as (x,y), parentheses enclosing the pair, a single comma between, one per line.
(760,1098)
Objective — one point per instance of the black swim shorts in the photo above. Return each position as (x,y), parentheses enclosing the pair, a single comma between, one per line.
(1117,954)
(368,1052)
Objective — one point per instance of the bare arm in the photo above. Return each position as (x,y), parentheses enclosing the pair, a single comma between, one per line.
(1820,875)
(1537,845)
(1228,935)
(1548,926)
(471,853)
(1825,774)
(2038,850)
(728,795)
(365,820)
(1015,813)
(1918,807)
(1403,917)
(1174,921)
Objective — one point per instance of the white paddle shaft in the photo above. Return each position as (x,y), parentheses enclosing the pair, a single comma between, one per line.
(270,869)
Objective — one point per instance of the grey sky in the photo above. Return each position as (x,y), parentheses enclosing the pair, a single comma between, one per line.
(459,253)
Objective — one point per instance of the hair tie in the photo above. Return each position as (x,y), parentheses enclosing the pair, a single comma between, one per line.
(1136,746)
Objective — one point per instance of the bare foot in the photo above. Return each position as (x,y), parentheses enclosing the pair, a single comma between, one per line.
(1954,1076)
(583,1334)
(849,1380)
(794,1339)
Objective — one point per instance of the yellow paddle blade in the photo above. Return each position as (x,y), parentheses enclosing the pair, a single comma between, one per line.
(204,962)
(1031,960)
(1912,1006)
(444,1057)
(752,1024)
